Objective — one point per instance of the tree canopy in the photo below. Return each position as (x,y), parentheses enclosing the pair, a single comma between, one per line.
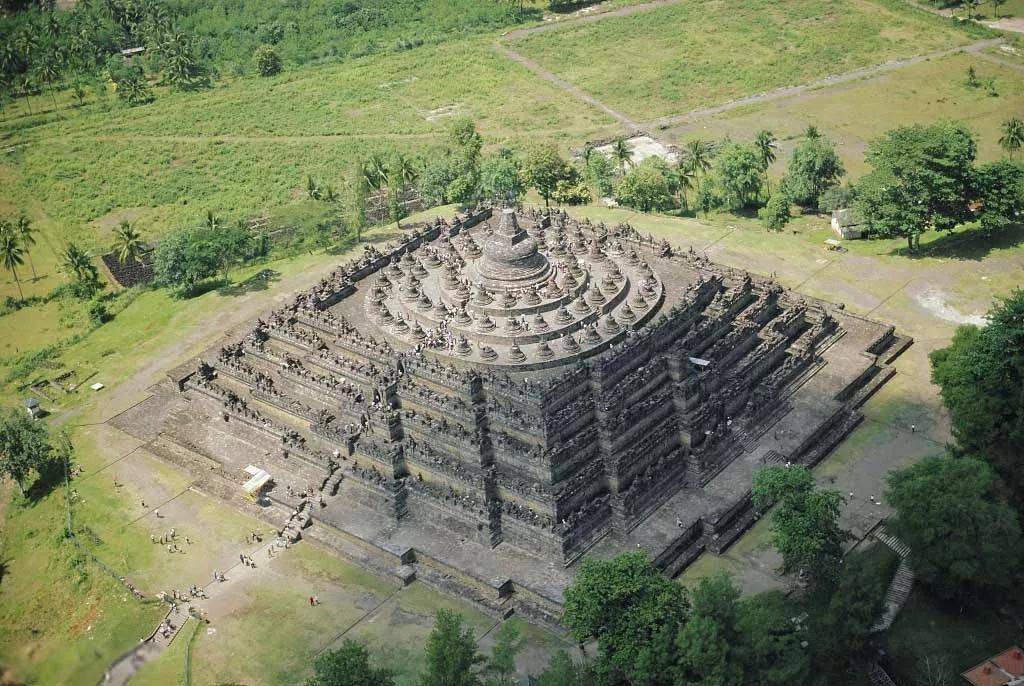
(962,534)
(24,446)
(633,611)
(814,168)
(647,186)
(544,168)
(805,522)
(348,665)
(981,378)
(451,655)
(738,169)
(921,178)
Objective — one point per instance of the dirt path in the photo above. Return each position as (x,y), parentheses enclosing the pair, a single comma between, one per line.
(587,18)
(576,92)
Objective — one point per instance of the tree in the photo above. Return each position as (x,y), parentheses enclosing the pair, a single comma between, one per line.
(129,82)
(646,187)
(184,258)
(26,234)
(843,622)
(500,178)
(921,179)
(127,243)
(770,647)
(775,214)
(502,663)
(12,254)
(962,534)
(182,69)
(1012,137)
(805,522)
(451,655)
(635,613)
(707,643)
(401,173)
(999,189)
(995,8)
(814,168)
(599,171)
(78,263)
(24,446)
(837,198)
(738,173)
(970,5)
(355,205)
(562,671)
(348,665)
(981,379)
(697,158)
(765,142)
(266,61)
(543,168)
(622,155)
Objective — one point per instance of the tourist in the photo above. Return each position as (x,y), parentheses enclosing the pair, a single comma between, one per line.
(157,513)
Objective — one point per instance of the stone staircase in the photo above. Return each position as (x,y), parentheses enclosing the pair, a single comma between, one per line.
(901,584)
(292,531)
(331,484)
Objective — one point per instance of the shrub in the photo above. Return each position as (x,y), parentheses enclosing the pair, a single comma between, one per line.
(266,61)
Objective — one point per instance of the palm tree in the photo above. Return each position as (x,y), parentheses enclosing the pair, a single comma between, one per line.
(1013,136)
(79,263)
(686,178)
(697,157)
(213,222)
(765,143)
(27,236)
(127,243)
(312,188)
(11,252)
(621,154)
(401,172)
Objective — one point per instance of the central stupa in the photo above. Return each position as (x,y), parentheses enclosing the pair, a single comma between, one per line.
(511,260)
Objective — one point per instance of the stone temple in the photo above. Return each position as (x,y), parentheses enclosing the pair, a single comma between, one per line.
(490,399)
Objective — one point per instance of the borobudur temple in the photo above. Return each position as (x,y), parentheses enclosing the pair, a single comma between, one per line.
(489,399)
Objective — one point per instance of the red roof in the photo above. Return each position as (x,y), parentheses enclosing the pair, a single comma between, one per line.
(986,674)
(999,670)
(1011,660)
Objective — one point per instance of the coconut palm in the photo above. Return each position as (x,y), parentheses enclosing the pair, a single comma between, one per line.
(11,253)
(686,179)
(1013,136)
(765,142)
(697,158)
(27,236)
(78,262)
(622,154)
(127,243)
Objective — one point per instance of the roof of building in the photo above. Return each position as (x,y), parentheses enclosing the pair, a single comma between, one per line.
(999,670)
(1011,661)
(847,217)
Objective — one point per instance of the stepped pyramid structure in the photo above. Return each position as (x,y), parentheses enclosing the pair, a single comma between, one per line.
(489,400)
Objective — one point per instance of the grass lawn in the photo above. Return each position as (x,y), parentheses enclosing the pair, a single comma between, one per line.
(248,145)
(682,56)
(853,114)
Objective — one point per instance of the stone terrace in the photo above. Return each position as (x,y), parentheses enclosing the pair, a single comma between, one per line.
(492,399)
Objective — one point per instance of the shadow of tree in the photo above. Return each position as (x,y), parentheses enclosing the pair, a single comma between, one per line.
(972,244)
(49,476)
(259,281)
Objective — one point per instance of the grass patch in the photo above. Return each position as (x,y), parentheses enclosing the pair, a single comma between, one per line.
(679,57)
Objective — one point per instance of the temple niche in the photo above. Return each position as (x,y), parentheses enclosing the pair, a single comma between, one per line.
(497,396)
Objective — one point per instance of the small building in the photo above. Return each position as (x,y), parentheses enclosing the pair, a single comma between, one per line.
(1004,669)
(128,53)
(35,411)
(848,224)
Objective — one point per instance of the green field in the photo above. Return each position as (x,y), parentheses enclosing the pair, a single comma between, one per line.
(696,53)
(855,113)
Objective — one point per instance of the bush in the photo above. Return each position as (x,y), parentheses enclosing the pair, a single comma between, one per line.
(98,313)
(646,188)
(571,192)
(266,61)
(775,214)
(836,198)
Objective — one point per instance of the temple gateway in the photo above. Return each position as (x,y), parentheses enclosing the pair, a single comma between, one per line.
(489,400)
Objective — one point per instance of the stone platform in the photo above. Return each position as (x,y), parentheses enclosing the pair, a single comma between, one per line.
(492,399)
